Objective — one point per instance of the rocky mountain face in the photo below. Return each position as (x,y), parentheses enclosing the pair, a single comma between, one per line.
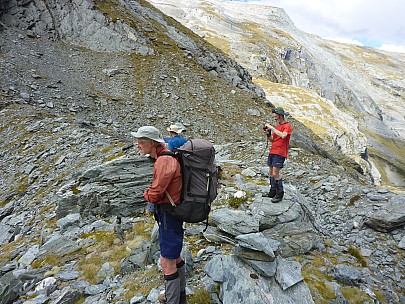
(351,96)
(78,76)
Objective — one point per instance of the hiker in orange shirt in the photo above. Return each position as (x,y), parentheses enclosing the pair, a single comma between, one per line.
(166,179)
(279,136)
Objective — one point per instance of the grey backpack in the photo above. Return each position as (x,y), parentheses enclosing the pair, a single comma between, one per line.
(200,178)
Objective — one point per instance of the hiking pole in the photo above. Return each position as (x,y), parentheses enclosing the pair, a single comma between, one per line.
(265,148)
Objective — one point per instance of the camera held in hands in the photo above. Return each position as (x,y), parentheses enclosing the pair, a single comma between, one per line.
(267,130)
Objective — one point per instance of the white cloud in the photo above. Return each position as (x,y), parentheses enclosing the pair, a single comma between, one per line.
(371,22)
(392,48)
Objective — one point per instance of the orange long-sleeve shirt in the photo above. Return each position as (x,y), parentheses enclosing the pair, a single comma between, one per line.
(166,176)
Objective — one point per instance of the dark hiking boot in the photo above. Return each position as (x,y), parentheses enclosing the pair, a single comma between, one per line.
(272,193)
(278,198)
(279,192)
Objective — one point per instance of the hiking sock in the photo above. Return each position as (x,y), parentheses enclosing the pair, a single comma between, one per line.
(279,191)
(181,269)
(172,288)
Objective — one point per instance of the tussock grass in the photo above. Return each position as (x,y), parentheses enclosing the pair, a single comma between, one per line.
(355,295)
(200,296)
(142,282)
(106,248)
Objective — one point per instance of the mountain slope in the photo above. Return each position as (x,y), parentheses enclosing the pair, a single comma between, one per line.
(366,84)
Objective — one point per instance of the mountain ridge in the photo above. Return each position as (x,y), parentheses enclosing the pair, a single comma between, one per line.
(371,92)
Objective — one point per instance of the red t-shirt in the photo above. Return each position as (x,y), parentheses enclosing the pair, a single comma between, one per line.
(280,145)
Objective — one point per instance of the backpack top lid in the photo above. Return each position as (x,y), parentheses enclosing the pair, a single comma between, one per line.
(199,148)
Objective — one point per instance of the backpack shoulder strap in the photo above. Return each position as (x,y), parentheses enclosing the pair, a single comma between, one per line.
(167,153)
(170,153)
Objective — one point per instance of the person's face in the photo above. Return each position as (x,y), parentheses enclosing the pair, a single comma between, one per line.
(276,117)
(144,146)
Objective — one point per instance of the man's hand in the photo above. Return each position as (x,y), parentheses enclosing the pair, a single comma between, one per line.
(269,126)
(149,209)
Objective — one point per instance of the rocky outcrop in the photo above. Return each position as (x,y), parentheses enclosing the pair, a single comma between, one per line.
(102,28)
(114,188)
(391,216)
(236,279)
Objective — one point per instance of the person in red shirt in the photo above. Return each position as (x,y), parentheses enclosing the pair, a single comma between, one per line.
(279,135)
(166,179)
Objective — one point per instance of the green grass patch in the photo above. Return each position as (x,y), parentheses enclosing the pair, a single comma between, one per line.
(143,228)
(105,248)
(354,199)
(142,282)
(49,260)
(355,252)
(200,296)
(236,202)
(355,295)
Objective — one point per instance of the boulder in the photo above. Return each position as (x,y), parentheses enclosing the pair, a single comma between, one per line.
(113,188)
(390,217)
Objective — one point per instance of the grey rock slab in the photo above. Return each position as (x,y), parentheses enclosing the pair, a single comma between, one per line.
(138,259)
(401,244)
(347,274)
(251,254)
(270,214)
(267,269)
(95,289)
(215,235)
(10,288)
(68,275)
(69,220)
(258,241)
(6,210)
(40,299)
(68,295)
(390,217)
(288,273)
(240,284)
(58,245)
(30,255)
(234,222)
(295,238)
(6,233)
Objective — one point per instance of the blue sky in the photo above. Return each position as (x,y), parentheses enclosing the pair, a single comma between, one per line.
(375,23)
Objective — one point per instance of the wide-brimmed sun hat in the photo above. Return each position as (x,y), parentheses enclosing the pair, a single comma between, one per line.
(148,132)
(176,128)
(280,111)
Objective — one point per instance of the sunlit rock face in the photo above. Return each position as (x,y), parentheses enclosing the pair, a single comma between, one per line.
(353,95)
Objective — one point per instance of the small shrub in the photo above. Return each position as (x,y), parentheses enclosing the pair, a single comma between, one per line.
(201,296)
(354,199)
(235,202)
(356,253)
(328,242)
